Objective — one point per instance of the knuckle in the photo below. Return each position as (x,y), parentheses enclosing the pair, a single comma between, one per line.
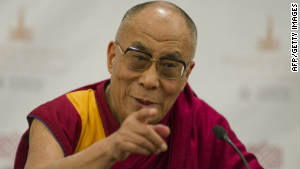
(146,131)
(126,122)
(141,143)
(118,143)
(143,151)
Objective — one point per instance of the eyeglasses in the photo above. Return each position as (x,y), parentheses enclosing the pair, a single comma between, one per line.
(139,61)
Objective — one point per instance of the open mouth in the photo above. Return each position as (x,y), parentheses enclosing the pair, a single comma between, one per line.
(144,102)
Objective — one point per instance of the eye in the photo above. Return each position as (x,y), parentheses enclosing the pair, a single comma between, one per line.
(169,65)
(140,57)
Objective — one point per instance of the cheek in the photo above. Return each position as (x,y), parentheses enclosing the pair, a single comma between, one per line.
(171,88)
(122,79)
(123,73)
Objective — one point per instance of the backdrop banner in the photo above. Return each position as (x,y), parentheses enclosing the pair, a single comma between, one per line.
(243,65)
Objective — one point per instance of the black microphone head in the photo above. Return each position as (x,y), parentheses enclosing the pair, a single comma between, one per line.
(219,132)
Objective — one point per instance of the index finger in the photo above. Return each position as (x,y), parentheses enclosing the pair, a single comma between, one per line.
(145,113)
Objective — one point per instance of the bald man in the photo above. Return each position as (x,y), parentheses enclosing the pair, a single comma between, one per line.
(145,116)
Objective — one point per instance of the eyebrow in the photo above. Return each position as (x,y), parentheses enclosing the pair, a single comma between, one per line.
(141,47)
(173,55)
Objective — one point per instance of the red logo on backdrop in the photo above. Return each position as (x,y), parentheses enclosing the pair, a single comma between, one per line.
(269,156)
(269,42)
(20,31)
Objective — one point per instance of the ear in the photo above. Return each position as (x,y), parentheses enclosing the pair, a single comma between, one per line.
(190,68)
(187,74)
(111,53)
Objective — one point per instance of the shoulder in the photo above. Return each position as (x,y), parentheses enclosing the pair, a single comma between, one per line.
(65,115)
(203,116)
(67,105)
(197,106)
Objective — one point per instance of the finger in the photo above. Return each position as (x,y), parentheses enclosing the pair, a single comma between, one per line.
(144,114)
(148,132)
(162,130)
(124,155)
(133,148)
(141,141)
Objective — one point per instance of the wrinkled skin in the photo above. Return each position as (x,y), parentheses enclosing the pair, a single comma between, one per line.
(163,32)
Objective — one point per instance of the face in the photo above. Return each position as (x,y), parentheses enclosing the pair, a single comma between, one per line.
(162,33)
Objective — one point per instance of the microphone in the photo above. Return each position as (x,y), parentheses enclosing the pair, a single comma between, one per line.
(221,133)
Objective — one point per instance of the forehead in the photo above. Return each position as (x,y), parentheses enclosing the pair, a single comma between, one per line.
(158,28)
(140,46)
(161,23)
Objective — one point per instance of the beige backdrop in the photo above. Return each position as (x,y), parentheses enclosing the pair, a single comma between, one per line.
(48,47)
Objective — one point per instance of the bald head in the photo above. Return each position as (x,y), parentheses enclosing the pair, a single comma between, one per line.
(159,11)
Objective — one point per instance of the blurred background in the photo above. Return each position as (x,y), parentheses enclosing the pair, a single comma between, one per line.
(242,67)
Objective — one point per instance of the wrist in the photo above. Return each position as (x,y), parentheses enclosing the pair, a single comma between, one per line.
(110,149)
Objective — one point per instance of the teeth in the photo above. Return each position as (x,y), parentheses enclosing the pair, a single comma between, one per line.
(147,103)
(144,102)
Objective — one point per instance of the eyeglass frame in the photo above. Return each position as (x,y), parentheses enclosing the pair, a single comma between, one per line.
(152,59)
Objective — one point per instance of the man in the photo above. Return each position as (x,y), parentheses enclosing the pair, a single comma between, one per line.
(145,116)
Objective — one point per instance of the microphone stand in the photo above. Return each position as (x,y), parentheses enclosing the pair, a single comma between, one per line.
(227,139)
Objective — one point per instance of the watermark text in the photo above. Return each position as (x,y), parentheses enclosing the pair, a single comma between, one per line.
(294,37)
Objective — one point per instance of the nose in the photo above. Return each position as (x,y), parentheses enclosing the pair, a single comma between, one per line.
(149,79)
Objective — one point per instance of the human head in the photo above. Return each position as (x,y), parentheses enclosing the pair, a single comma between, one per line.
(160,28)
(137,8)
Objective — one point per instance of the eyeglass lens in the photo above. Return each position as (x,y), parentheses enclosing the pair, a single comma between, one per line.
(167,68)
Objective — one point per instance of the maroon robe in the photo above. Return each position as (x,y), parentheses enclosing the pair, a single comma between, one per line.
(191,144)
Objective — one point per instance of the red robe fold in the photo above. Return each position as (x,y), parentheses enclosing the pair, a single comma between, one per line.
(191,144)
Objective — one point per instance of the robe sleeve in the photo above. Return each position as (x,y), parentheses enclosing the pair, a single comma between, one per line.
(61,118)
